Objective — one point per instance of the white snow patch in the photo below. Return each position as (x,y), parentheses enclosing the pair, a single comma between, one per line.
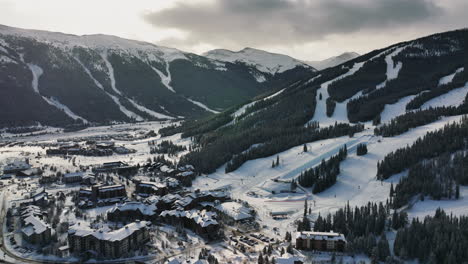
(55,102)
(148,111)
(199,104)
(428,207)
(393,110)
(166,80)
(37,72)
(454,98)
(449,78)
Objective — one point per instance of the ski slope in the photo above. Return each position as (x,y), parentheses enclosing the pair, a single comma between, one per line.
(253,181)
(453,98)
(199,104)
(449,78)
(320,114)
(393,110)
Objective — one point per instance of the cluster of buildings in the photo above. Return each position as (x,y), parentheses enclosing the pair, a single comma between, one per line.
(100,195)
(91,148)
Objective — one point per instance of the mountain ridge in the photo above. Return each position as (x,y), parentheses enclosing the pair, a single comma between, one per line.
(103,78)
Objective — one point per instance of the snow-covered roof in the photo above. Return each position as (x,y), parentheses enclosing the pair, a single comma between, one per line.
(17,165)
(34,225)
(288,259)
(235,210)
(320,235)
(146,209)
(74,174)
(108,188)
(103,234)
(203,218)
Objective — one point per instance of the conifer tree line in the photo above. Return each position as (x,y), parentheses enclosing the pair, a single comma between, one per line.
(433,56)
(324,175)
(437,178)
(166,147)
(438,239)
(361,149)
(287,141)
(364,228)
(458,81)
(405,122)
(453,137)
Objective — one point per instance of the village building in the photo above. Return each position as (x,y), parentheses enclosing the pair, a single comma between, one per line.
(101,195)
(321,241)
(234,212)
(29,172)
(131,211)
(146,188)
(201,222)
(34,229)
(73,177)
(16,167)
(107,243)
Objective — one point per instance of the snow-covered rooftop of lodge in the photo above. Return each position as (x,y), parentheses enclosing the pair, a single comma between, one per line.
(104,234)
(203,218)
(146,209)
(264,61)
(320,235)
(235,210)
(34,225)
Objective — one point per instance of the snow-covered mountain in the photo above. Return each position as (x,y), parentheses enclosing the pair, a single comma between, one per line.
(265,62)
(372,88)
(333,61)
(99,79)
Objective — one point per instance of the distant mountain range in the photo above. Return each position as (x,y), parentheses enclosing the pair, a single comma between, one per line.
(60,79)
(333,61)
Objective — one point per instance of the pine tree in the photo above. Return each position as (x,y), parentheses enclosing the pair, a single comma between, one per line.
(305,147)
(277,160)
(260,258)
(457,192)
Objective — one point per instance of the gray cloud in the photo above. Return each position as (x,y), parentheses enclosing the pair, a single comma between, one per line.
(240,23)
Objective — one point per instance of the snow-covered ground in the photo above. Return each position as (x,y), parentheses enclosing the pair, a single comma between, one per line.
(428,207)
(254,180)
(393,110)
(453,98)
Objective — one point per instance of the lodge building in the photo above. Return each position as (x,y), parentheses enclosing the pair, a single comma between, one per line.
(320,241)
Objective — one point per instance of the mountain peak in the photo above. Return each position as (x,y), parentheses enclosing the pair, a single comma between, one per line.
(264,61)
(333,61)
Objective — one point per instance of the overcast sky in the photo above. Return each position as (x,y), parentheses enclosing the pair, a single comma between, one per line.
(305,29)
